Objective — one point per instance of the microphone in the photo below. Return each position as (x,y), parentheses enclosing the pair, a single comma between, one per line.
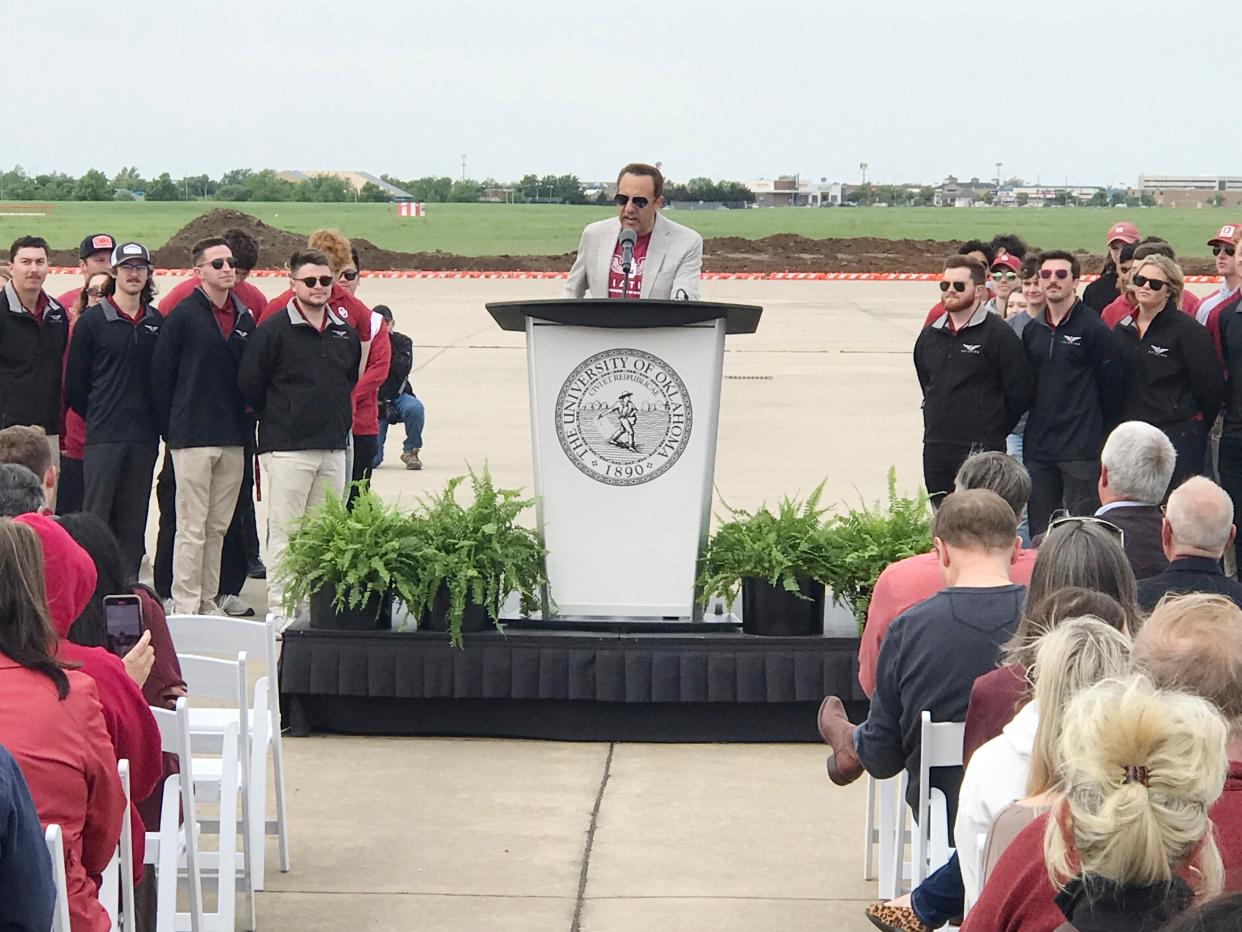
(627,239)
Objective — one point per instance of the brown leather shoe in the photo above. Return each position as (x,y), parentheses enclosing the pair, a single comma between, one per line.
(844,767)
(895,918)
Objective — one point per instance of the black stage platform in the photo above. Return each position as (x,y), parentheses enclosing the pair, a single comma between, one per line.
(670,683)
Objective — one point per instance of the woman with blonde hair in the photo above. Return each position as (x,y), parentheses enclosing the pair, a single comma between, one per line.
(1174,379)
(1140,768)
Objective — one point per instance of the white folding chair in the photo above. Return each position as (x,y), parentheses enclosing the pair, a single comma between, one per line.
(885,830)
(941,746)
(174,848)
(212,634)
(116,887)
(216,678)
(56,850)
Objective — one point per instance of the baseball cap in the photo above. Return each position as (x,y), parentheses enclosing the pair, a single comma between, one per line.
(94,243)
(1008,261)
(127,251)
(1125,231)
(1227,235)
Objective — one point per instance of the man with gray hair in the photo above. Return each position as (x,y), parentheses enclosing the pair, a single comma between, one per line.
(1197,527)
(20,491)
(1136,465)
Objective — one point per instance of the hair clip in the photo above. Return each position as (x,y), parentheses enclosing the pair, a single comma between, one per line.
(1135,774)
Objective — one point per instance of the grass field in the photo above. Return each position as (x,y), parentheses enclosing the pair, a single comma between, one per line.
(500,229)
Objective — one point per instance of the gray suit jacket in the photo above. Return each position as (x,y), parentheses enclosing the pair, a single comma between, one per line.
(674,261)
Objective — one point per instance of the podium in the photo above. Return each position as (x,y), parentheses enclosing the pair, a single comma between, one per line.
(624,408)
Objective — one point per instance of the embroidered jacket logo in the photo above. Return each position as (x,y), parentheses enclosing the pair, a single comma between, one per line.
(1161,351)
(1072,341)
(972,348)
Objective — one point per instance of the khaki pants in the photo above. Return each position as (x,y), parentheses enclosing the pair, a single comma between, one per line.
(297,480)
(208,480)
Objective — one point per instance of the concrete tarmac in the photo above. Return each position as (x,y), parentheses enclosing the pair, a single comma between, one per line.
(463,834)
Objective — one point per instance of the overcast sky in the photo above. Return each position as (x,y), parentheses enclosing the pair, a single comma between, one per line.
(1089,92)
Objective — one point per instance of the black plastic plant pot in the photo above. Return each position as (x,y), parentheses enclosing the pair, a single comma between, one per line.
(474,617)
(771,611)
(374,614)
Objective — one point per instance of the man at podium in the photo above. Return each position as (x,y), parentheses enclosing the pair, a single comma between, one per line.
(644,255)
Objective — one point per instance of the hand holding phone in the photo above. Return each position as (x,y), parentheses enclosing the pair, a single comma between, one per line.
(140,659)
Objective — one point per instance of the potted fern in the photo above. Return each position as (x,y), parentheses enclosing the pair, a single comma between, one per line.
(349,562)
(470,558)
(780,560)
(865,540)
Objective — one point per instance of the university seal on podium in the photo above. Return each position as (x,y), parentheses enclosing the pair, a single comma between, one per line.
(624,417)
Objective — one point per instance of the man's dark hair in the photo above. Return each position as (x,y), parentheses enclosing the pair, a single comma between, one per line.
(977,518)
(977,245)
(197,250)
(27,242)
(1011,243)
(1127,252)
(21,491)
(353,254)
(1153,246)
(303,257)
(111,575)
(1030,266)
(149,291)
(978,274)
(1062,255)
(26,446)
(245,249)
(649,171)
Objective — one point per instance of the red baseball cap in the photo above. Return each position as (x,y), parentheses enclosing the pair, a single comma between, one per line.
(1226,235)
(1008,261)
(1125,231)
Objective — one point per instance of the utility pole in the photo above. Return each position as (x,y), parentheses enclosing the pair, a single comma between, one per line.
(863,167)
(998,176)
(463,166)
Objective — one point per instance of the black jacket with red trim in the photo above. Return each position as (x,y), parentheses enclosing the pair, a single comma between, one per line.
(32,358)
(1172,372)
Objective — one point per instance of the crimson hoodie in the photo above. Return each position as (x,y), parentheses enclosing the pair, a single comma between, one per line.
(366,390)
(69,576)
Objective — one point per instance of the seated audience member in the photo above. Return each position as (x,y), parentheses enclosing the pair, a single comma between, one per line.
(1223,914)
(52,723)
(21,445)
(1194,644)
(1079,553)
(1018,764)
(68,584)
(20,491)
(1136,465)
(1197,529)
(933,651)
(27,889)
(908,582)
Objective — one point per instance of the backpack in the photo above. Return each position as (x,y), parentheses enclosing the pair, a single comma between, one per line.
(399,366)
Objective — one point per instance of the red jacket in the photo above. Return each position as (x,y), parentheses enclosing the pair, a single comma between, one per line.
(1018,896)
(70,580)
(994,700)
(366,405)
(63,750)
(247,294)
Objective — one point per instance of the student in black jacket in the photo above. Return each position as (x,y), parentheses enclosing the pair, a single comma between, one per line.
(975,378)
(1230,461)
(1079,391)
(108,383)
(202,418)
(34,334)
(1173,376)
(1103,291)
(298,374)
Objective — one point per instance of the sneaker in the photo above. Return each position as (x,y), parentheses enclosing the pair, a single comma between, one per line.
(209,607)
(257,570)
(234,607)
(411,460)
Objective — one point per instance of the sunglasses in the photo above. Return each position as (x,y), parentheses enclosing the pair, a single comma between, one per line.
(1142,281)
(1059,273)
(640,202)
(959,287)
(310,281)
(95,292)
(218,264)
(1082,520)
(1006,276)
(349,274)
(1227,250)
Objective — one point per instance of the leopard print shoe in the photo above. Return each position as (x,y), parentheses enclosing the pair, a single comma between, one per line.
(895,918)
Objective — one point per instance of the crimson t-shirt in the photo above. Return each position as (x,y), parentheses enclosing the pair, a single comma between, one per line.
(224,317)
(616,277)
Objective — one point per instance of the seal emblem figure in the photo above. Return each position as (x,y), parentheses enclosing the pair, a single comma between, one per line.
(624,417)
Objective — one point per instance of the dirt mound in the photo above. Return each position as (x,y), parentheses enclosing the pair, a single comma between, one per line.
(784,252)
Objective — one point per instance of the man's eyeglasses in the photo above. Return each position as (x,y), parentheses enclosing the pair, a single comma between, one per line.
(349,274)
(1227,250)
(1142,281)
(1059,273)
(134,266)
(310,281)
(218,264)
(640,202)
(1007,276)
(1083,520)
(959,287)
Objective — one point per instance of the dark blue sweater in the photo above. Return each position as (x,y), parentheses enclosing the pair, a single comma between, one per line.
(27,891)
